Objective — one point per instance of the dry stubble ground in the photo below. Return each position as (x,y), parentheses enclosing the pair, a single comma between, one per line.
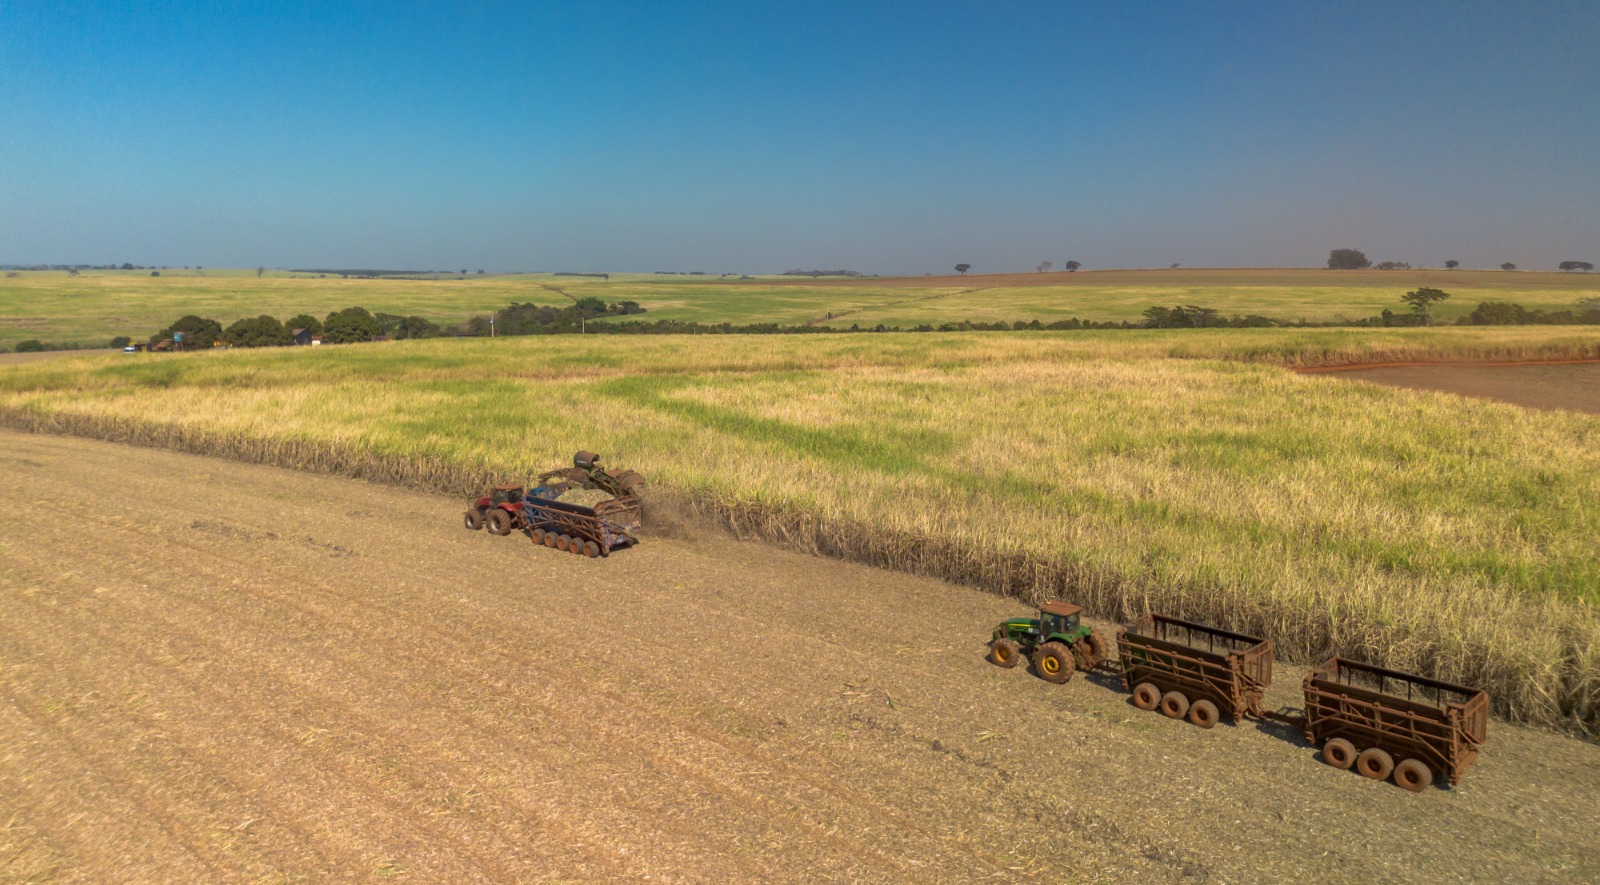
(213,671)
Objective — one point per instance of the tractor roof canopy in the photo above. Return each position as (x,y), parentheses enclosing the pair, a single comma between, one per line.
(1062,609)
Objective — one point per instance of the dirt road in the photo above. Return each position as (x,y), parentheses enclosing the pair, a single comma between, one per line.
(212,671)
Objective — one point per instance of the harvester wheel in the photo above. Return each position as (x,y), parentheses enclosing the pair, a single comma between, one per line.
(1004,653)
(1413,775)
(1090,650)
(591,549)
(1339,753)
(473,519)
(1375,763)
(1174,704)
(1054,662)
(499,522)
(1146,696)
(1203,713)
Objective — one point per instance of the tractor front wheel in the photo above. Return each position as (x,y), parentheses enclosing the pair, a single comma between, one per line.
(473,519)
(1004,653)
(1054,662)
(499,522)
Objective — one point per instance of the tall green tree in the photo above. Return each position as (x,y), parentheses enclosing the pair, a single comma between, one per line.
(1423,299)
(1348,259)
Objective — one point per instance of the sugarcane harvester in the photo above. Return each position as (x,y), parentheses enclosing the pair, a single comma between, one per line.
(574,528)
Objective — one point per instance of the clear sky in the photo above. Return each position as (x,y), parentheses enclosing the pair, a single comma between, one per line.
(763,136)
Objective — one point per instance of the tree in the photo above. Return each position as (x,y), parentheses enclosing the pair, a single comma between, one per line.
(963,268)
(260,270)
(303,321)
(1508,266)
(1348,259)
(1044,266)
(1073,265)
(121,341)
(350,325)
(197,331)
(155,273)
(127,266)
(1576,265)
(1452,264)
(1498,313)
(261,331)
(1421,300)
(417,327)
(32,345)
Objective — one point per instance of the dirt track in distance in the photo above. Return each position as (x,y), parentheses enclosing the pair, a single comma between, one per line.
(213,671)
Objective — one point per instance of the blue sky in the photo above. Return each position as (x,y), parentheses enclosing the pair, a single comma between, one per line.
(758,137)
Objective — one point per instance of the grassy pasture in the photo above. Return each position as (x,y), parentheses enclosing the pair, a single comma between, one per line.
(1185,471)
(94,307)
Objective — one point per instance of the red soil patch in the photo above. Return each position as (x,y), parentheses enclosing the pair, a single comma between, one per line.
(1556,384)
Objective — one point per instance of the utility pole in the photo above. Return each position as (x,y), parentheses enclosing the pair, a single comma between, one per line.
(491,327)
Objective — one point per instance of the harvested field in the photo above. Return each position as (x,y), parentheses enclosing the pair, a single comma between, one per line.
(229,672)
(1572,387)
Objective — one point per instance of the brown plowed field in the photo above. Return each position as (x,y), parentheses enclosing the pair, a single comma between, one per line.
(1574,386)
(221,672)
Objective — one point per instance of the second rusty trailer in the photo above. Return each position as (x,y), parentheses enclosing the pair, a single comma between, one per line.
(1194,671)
(1387,723)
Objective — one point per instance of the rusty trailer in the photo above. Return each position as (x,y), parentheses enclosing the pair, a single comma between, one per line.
(1388,723)
(1193,671)
(590,531)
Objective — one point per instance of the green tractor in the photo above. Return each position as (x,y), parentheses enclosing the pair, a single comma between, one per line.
(1057,641)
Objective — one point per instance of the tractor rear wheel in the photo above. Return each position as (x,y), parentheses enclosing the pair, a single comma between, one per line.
(1090,650)
(1339,753)
(1146,696)
(499,522)
(473,519)
(1413,775)
(1203,713)
(1375,763)
(1004,653)
(1174,704)
(1054,662)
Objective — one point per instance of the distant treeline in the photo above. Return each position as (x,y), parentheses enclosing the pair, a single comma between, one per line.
(823,273)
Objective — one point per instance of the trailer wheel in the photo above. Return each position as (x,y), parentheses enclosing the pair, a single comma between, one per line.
(1375,763)
(499,522)
(538,536)
(550,539)
(1004,653)
(1054,662)
(473,519)
(1174,704)
(561,542)
(1339,753)
(1203,713)
(591,549)
(1146,696)
(1413,775)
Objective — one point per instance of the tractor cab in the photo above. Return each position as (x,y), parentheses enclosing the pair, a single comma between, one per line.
(506,495)
(1060,619)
